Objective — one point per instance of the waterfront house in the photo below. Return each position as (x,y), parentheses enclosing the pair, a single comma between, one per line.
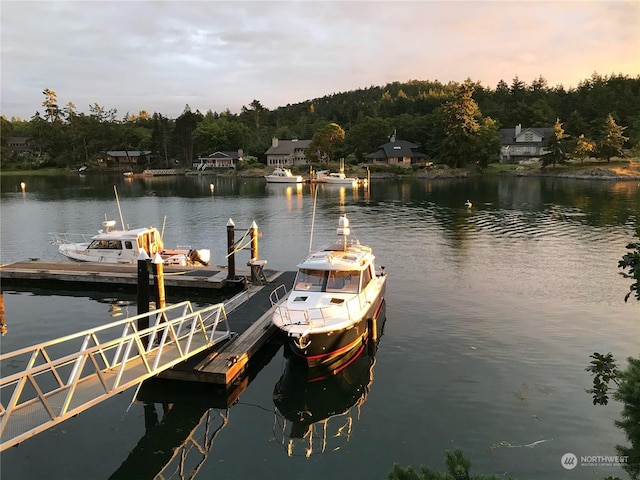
(128,157)
(19,146)
(286,153)
(220,160)
(397,152)
(523,144)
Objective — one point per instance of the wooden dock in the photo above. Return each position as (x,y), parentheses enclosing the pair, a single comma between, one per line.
(225,364)
(228,363)
(114,277)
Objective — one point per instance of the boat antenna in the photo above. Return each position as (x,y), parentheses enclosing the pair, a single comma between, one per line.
(313,217)
(119,209)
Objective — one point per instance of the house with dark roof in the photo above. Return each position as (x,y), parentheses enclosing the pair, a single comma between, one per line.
(19,145)
(220,160)
(397,152)
(286,153)
(128,157)
(518,144)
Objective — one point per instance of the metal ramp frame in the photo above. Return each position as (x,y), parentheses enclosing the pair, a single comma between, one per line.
(63,377)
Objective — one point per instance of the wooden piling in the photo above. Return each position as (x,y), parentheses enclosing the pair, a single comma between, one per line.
(254,240)
(158,280)
(231,256)
(3,323)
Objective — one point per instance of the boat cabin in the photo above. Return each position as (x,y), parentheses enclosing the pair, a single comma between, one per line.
(130,242)
(336,269)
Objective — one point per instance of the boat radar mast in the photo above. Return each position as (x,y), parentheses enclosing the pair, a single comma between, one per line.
(343,229)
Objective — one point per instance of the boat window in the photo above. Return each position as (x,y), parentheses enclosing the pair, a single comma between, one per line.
(344,282)
(366,276)
(310,280)
(128,245)
(106,244)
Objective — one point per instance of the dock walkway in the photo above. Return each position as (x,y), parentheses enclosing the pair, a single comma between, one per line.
(110,277)
(252,323)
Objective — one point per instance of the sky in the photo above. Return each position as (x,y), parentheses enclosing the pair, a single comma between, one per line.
(160,56)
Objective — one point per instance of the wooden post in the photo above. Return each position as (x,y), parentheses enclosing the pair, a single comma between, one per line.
(231,256)
(144,263)
(3,323)
(254,240)
(158,280)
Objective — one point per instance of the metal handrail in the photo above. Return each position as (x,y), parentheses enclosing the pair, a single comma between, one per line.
(63,238)
(103,361)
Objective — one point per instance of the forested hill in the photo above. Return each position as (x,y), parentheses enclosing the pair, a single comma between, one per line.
(413,110)
(580,109)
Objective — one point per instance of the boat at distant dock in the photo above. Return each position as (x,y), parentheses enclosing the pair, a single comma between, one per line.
(283,175)
(125,246)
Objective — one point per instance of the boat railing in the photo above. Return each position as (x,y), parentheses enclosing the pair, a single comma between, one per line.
(278,295)
(316,316)
(60,238)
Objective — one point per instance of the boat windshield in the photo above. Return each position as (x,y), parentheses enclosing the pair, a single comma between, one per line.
(327,281)
(106,244)
(310,280)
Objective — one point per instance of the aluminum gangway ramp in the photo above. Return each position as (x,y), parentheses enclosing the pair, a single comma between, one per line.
(66,376)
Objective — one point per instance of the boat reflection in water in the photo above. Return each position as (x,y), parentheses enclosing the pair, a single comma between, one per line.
(317,406)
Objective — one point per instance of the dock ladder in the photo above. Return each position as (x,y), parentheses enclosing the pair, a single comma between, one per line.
(63,377)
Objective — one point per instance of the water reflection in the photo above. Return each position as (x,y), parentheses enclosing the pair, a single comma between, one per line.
(178,436)
(316,407)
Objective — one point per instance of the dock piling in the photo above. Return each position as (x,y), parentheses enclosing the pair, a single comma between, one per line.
(144,262)
(158,280)
(231,272)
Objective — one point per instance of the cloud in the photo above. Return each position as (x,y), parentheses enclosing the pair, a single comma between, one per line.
(220,55)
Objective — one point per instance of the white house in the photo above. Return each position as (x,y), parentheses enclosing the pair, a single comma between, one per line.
(517,144)
(219,160)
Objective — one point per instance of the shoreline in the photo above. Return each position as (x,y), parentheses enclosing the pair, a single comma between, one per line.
(628,170)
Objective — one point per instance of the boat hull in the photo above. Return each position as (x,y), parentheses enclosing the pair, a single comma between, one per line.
(326,347)
(282,180)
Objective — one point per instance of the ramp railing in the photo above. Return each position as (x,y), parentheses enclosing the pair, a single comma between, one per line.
(61,378)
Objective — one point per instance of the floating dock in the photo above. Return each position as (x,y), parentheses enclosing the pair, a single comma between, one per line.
(119,277)
(227,363)
(249,318)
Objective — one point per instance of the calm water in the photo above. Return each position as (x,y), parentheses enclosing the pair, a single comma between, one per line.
(492,314)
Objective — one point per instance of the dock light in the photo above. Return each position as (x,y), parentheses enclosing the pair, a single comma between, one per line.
(23,186)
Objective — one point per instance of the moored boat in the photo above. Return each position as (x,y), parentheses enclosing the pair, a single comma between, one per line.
(338,178)
(336,294)
(283,175)
(125,246)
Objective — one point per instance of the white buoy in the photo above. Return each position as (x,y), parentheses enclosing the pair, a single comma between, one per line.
(211,187)
(23,186)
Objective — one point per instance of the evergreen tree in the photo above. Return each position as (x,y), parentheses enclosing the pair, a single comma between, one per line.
(583,148)
(612,140)
(557,146)
(461,124)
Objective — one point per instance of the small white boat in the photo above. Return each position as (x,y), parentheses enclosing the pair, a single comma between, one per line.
(339,178)
(125,246)
(283,175)
(336,297)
